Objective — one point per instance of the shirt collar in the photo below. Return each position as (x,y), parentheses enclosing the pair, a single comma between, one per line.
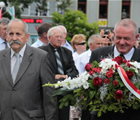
(66,44)
(127,56)
(40,42)
(1,40)
(89,52)
(21,52)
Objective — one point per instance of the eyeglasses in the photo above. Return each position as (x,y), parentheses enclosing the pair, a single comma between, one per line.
(105,37)
(81,43)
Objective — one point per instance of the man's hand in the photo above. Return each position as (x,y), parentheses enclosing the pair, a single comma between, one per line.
(58,76)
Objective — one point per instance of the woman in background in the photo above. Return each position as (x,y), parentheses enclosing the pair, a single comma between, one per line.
(79,45)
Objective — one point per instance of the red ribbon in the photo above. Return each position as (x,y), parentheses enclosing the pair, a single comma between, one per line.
(129,82)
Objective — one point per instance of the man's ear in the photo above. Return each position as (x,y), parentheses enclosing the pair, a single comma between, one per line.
(137,36)
(27,37)
(45,34)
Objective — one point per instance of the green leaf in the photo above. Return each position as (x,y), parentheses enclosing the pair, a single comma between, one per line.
(62,91)
(92,94)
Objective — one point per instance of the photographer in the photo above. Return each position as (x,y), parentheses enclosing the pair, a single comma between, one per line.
(107,35)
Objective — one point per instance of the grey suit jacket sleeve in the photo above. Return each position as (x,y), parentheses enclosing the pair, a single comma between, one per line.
(50,106)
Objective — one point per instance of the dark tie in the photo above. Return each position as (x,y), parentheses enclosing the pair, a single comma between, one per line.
(60,68)
(6,46)
(121,55)
(16,66)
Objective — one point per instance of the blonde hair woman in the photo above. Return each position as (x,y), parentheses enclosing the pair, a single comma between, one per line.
(79,45)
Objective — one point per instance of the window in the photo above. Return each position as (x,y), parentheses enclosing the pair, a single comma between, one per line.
(125,9)
(82,5)
(103,9)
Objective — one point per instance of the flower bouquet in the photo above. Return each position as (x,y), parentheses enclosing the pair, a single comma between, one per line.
(111,85)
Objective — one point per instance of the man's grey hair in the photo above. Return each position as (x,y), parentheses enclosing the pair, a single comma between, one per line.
(92,38)
(4,21)
(50,31)
(25,25)
(127,23)
(61,26)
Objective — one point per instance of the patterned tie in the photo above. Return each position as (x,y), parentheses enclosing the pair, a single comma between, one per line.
(16,66)
(60,68)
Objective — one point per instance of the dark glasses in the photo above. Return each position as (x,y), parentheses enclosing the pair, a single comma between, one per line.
(105,37)
(81,43)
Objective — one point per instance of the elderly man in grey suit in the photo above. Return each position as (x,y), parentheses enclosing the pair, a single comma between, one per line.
(23,71)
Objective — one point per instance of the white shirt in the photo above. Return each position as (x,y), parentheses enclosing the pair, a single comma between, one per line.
(13,58)
(127,56)
(67,45)
(38,43)
(75,56)
(82,60)
(2,44)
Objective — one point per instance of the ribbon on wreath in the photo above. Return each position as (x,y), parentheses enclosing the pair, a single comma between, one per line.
(133,89)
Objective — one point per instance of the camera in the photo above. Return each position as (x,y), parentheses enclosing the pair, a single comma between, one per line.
(106,32)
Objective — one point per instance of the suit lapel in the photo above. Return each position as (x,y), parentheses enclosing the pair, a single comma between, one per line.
(6,65)
(136,55)
(64,57)
(108,53)
(26,60)
(52,59)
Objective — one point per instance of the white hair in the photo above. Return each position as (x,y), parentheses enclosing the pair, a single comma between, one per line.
(92,38)
(50,31)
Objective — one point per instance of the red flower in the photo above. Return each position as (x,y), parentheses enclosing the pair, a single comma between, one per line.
(98,70)
(94,69)
(128,64)
(124,61)
(110,73)
(116,66)
(115,82)
(97,81)
(88,66)
(118,59)
(119,94)
(129,74)
(91,72)
(106,81)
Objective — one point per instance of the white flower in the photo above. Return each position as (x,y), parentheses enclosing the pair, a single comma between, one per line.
(107,64)
(77,82)
(135,64)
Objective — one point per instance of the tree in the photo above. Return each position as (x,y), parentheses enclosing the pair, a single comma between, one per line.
(63,4)
(21,4)
(76,23)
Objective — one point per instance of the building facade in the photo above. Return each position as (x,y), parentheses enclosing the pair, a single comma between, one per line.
(105,12)
(108,12)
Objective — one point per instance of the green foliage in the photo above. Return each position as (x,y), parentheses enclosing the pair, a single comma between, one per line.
(41,6)
(21,4)
(64,4)
(76,23)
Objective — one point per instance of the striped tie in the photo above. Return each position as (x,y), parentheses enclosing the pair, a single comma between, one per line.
(60,67)
(6,46)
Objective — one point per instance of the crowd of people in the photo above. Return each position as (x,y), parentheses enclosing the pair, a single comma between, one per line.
(25,68)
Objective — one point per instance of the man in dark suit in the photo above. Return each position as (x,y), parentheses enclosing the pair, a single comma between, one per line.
(22,96)
(55,37)
(125,37)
